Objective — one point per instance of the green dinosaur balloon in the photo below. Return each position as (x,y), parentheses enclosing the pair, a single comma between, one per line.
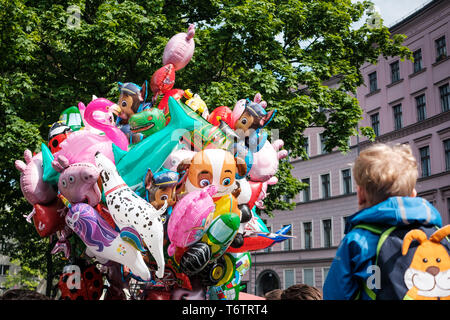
(154,150)
(147,122)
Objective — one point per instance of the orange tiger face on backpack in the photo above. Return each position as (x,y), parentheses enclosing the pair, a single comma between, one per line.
(428,276)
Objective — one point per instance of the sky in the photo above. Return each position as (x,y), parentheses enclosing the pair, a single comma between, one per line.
(393,11)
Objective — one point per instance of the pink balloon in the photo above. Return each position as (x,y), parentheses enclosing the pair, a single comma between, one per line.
(266,160)
(188,220)
(180,48)
(82,145)
(112,132)
(33,187)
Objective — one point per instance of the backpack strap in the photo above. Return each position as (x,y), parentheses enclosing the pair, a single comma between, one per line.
(384,233)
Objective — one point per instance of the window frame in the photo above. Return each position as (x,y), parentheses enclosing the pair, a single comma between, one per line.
(395,71)
(322,232)
(421,107)
(321,185)
(427,157)
(372,122)
(373,81)
(343,184)
(417,61)
(303,235)
(398,116)
(444,98)
(440,50)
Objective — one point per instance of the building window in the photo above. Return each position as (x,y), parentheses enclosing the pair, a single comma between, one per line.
(425,161)
(325,274)
(306,146)
(397,116)
(417,55)
(322,143)
(307,234)
(373,81)
(346,181)
(308,277)
(421,108)
(326,231)
(325,181)
(441,50)
(447,154)
(444,92)
(4,268)
(287,244)
(375,121)
(307,191)
(395,71)
(289,278)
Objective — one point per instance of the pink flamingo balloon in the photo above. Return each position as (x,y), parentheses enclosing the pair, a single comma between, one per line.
(112,132)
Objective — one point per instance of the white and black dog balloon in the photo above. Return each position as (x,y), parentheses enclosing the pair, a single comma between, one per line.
(130,210)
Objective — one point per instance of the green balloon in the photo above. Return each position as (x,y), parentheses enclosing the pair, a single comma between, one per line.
(151,152)
(50,175)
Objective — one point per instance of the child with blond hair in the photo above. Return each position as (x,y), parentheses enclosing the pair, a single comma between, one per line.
(385,176)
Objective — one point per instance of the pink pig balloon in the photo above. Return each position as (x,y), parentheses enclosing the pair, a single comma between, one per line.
(33,187)
(180,48)
(112,132)
(189,218)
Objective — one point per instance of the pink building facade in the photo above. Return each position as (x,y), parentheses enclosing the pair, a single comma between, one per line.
(404,102)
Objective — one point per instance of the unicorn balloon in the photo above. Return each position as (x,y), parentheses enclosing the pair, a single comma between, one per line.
(102,241)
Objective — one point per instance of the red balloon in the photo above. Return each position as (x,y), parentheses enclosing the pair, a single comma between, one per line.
(163,79)
(49,218)
(223,112)
(256,188)
(163,105)
(90,285)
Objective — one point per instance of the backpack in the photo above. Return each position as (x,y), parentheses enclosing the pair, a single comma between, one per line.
(412,263)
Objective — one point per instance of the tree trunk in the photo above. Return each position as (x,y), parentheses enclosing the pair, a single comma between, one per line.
(48,256)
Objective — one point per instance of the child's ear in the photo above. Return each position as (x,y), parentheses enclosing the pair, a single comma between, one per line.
(414,193)
(362,197)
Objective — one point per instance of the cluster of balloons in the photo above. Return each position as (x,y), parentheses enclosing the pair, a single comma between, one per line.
(157,190)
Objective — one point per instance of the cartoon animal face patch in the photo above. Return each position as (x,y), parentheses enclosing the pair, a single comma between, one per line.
(245,122)
(214,167)
(428,276)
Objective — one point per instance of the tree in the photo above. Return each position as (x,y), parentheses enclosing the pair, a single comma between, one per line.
(57,53)
(26,278)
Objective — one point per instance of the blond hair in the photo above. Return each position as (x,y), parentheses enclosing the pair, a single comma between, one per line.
(385,171)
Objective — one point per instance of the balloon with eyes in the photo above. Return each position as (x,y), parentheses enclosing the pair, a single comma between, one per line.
(78,181)
(57,134)
(250,116)
(161,187)
(147,122)
(215,167)
(131,100)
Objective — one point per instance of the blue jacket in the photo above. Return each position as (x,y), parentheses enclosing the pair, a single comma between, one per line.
(357,251)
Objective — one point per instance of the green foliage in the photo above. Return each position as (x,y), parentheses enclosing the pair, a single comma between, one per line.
(284,49)
(25,278)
